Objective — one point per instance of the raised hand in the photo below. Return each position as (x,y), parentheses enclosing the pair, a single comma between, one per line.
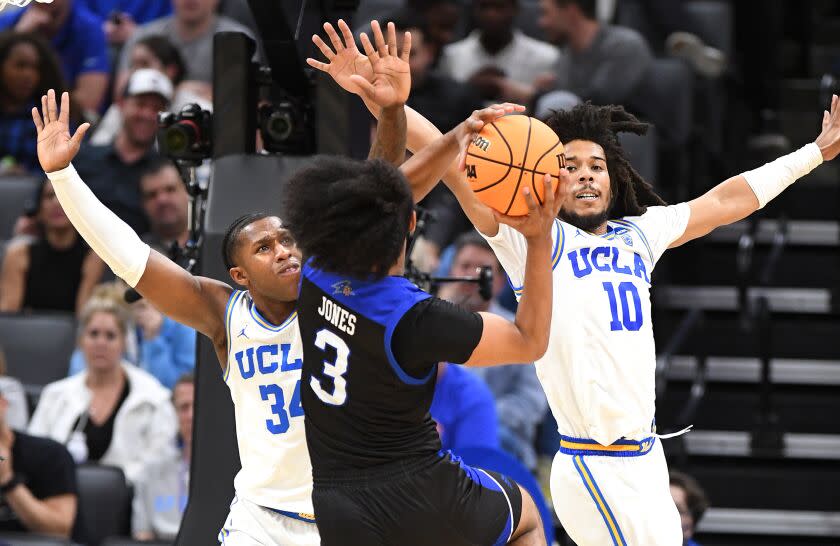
(391,81)
(469,129)
(56,148)
(829,139)
(540,218)
(343,59)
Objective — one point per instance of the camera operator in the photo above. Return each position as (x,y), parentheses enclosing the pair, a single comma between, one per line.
(113,171)
(520,401)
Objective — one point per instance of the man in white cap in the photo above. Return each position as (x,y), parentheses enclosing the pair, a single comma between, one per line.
(113,170)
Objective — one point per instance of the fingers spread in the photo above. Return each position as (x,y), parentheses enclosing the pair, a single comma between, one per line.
(368,47)
(347,34)
(406,49)
(323,67)
(325,49)
(334,39)
(36,118)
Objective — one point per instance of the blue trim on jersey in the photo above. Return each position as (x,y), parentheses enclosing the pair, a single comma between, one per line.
(628,223)
(383,301)
(600,501)
(559,241)
(234,296)
(267,324)
(300,516)
(620,448)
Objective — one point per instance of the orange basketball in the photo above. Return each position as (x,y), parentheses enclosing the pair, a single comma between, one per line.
(510,153)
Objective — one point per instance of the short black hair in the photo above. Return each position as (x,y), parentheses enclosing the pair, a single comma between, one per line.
(166,52)
(349,217)
(230,242)
(631,195)
(695,497)
(588,7)
(407,18)
(155,165)
(473,238)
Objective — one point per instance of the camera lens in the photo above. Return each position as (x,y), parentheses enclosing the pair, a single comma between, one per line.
(178,138)
(279,125)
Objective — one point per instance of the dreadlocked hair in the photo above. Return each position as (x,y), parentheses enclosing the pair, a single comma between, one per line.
(349,217)
(631,194)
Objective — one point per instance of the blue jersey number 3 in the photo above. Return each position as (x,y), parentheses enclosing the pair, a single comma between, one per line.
(274,394)
(625,291)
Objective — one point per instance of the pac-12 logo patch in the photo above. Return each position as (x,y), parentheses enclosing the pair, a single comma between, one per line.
(625,235)
(344,288)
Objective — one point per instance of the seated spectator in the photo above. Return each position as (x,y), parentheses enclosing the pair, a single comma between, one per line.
(160,495)
(77,36)
(498,59)
(464,410)
(166,204)
(113,171)
(601,63)
(155,52)
(55,271)
(112,413)
(519,398)
(691,503)
(38,492)
(190,28)
(17,413)
(28,68)
(121,17)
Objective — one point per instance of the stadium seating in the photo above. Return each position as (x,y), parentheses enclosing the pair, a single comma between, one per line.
(37,346)
(15,192)
(104,502)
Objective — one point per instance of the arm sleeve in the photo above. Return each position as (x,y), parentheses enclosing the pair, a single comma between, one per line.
(170,354)
(139,510)
(435,331)
(659,227)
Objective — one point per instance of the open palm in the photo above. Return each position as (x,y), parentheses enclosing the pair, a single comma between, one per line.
(829,138)
(391,82)
(343,59)
(56,148)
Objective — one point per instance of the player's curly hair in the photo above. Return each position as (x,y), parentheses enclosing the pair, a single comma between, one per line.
(350,217)
(631,194)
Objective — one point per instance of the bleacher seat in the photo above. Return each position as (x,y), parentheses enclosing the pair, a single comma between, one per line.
(28,539)
(503,463)
(104,502)
(37,346)
(643,154)
(15,191)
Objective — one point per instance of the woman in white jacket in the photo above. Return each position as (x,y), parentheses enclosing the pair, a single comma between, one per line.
(112,413)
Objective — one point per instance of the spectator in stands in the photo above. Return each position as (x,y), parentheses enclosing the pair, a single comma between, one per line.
(691,502)
(191,28)
(497,59)
(158,53)
(166,204)
(442,18)
(121,17)
(520,401)
(28,68)
(17,412)
(38,490)
(113,171)
(112,413)
(77,36)
(160,496)
(464,410)
(602,63)
(56,270)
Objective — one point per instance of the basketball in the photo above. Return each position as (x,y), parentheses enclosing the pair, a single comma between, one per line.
(508,154)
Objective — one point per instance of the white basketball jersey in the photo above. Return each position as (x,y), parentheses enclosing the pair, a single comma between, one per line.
(263,373)
(599,370)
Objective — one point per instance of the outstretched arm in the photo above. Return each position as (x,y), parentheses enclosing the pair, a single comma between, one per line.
(741,195)
(195,301)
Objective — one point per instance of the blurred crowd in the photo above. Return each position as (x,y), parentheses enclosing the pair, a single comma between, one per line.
(127,397)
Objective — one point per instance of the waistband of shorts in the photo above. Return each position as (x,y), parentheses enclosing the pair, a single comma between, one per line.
(376,474)
(300,516)
(620,448)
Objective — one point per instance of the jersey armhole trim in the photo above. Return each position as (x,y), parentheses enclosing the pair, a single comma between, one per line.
(234,297)
(389,333)
(559,243)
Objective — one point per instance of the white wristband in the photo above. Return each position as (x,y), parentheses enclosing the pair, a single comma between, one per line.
(111,238)
(771,179)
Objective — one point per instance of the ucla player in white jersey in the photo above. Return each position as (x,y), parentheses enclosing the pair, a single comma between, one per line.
(609,478)
(254,332)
